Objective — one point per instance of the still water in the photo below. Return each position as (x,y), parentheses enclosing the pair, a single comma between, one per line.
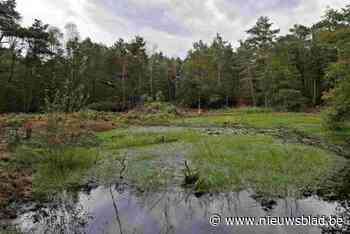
(109,210)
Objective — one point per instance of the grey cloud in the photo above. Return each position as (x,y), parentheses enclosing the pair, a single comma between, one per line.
(173,24)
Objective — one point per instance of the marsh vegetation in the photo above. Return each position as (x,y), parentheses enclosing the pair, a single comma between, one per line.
(221,153)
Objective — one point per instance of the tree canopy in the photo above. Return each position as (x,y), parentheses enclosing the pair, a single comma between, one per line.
(308,67)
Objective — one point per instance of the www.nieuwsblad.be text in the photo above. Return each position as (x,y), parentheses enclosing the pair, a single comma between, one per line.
(320,221)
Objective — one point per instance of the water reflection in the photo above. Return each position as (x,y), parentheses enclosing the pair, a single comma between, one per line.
(64,215)
(122,210)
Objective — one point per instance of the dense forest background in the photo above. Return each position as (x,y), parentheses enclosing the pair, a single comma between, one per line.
(307,68)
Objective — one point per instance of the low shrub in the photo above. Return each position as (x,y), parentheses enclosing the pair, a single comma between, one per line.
(153,112)
(89,115)
(107,106)
(289,100)
(162,107)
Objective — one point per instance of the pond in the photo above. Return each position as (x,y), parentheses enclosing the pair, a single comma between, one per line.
(137,184)
(122,210)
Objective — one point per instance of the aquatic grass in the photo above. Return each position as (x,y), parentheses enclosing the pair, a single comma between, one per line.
(55,169)
(152,166)
(260,163)
(147,175)
(62,169)
(226,162)
(142,168)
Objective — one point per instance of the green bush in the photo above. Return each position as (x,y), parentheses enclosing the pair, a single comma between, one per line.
(68,99)
(88,115)
(339,111)
(290,100)
(330,119)
(160,96)
(107,106)
(338,98)
(161,107)
(151,113)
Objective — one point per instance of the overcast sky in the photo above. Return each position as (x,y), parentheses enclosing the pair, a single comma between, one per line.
(173,25)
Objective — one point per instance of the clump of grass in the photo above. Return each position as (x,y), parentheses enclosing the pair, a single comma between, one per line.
(59,156)
(258,162)
(194,180)
(57,168)
(62,169)
(191,176)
